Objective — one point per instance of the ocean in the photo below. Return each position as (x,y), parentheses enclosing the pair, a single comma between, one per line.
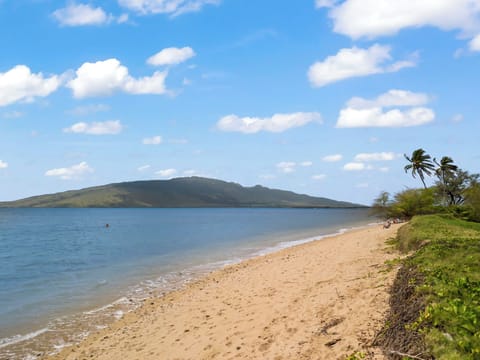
(67,272)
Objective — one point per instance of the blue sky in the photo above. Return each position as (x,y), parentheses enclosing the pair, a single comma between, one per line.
(320,97)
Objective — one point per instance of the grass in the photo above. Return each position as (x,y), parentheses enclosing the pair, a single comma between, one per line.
(448,256)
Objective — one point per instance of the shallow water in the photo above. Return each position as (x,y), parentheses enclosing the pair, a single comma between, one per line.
(64,273)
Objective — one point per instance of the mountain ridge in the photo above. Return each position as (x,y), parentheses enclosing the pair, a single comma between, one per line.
(178,192)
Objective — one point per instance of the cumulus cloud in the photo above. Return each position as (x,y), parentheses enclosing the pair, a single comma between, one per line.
(276,123)
(154,140)
(391,98)
(172,7)
(374,18)
(111,127)
(286,166)
(81,15)
(325,3)
(3,164)
(354,166)
(376,117)
(306,163)
(319,177)
(381,156)
(371,113)
(19,84)
(171,56)
(474,44)
(72,172)
(103,78)
(166,173)
(332,158)
(355,62)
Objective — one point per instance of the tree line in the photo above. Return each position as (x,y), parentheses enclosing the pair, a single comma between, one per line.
(455,191)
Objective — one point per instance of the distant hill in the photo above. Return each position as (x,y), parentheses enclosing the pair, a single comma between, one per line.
(179,192)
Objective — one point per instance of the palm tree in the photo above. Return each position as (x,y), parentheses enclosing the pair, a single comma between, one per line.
(446,168)
(421,164)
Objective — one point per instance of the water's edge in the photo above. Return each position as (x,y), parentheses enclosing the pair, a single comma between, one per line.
(71,329)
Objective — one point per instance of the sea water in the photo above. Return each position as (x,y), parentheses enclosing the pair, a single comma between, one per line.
(67,272)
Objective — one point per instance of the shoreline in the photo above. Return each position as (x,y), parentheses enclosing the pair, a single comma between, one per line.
(77,325)
(137,326)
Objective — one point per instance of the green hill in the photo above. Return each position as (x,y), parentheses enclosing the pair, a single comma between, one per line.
(179,192)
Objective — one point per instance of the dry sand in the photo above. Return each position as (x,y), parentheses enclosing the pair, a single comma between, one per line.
(321,300)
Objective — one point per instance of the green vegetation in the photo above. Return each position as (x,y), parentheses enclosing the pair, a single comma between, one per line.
(357,355)
(435,299)
(180,192)
(455,192)
(447,260)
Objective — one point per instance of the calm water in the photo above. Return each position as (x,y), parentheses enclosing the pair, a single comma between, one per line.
(60,268)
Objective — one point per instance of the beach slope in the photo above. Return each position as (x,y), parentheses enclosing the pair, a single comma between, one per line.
(321,300)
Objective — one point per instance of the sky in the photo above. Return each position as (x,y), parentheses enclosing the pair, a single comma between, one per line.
(320,97)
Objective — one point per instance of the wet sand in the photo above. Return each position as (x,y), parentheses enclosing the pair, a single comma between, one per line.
(321,300)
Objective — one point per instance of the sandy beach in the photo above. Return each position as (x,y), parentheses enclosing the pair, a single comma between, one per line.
(321,300)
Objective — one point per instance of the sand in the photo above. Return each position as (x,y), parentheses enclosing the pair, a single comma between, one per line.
(321,300)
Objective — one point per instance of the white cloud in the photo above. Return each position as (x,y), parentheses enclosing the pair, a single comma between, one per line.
(72,172)
(103,78)
(332,158)
(154,140)
(19,84)
(474,44)
(376,117)
(88,109)
(391,98)
(319,177)
(111,127)
(354,166)
(81,15)
(382,156)
(122,19)
(143,168)
(362,185)
(325,3)
(355,62)
(172,7)
(306,163)
(457,118)
(276,123)
(370,113)
(154,84)
(166,173)
(171,56)
(3,164)
(286,166)
(373,18)
(384,169)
